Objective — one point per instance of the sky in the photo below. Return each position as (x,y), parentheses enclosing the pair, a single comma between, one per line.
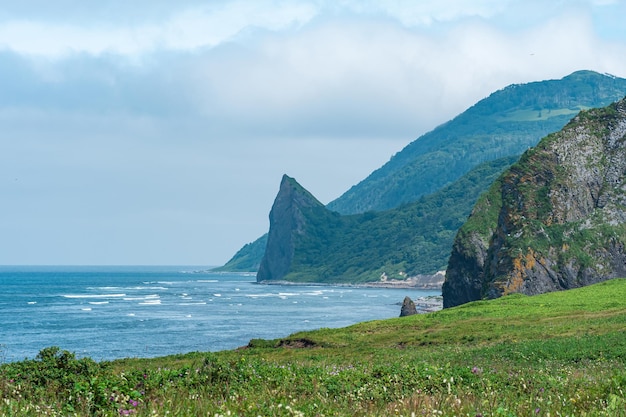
(156,132)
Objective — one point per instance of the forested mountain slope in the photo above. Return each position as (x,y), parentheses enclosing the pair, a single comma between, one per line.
(506,123)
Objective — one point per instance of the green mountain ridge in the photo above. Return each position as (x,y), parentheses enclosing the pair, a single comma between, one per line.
(504,124)
(555,220)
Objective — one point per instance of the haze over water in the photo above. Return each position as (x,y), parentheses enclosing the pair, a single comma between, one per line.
(115,312)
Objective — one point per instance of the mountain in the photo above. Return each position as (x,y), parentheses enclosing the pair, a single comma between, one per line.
(247,259)
(555,220)
(504,124)
(309,243)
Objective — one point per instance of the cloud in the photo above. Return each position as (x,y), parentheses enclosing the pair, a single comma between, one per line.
(335,77)
(195,26)
(135,28)
(338,77)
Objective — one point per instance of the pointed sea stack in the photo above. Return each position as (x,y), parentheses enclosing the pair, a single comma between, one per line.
(555,220)
(408,307)
(287,222)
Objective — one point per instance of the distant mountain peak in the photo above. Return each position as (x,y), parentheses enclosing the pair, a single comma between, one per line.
(505,123)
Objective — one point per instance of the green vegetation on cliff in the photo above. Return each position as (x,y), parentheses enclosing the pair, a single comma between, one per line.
(554,354)
(410,240)
(554,220)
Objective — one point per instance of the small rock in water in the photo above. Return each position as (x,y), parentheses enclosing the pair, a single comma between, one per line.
(408,307)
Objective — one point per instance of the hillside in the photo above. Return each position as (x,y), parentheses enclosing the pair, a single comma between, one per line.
(312,244)
(555,220)
(504,124)
(554,354)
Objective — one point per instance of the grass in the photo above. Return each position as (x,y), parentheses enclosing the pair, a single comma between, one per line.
(558,354)
(531,115)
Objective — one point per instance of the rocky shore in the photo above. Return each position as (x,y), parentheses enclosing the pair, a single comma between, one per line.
(421,282)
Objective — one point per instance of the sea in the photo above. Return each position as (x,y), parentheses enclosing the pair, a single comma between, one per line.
(112,312)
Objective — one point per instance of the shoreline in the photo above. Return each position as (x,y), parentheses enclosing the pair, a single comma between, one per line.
(427,304)
(379,284)
(420,282)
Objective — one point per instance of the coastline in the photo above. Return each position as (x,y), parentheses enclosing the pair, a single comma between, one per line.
(423,305)
(419,282)
(376,284)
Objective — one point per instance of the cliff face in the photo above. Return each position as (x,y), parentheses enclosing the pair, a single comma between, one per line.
(287,223)
(555,220)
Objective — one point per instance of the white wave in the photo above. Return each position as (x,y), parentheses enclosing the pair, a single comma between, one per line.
(131,314)
(152,296)
(260,295)
(146,288)
(192,304)
(313,293)
(188,315)
(207,280)
(150,303)
(86,309)
(98,302)
(281,295)
(217,295)
(94,295)
(134,298)
(32,302)
(165,282)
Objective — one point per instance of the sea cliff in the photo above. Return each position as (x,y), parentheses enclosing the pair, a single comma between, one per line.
(555,220)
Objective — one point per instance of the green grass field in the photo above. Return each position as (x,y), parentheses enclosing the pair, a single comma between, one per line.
(558,354)
(529,115)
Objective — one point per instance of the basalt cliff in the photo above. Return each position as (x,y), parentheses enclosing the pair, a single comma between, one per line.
(555,220)
(291,216)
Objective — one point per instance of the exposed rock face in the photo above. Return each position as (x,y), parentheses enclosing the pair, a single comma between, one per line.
(286,222)
(408,307)
(555,220)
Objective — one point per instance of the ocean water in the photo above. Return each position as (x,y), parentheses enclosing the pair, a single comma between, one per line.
(114,312)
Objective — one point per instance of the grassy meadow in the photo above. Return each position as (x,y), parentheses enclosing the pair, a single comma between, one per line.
(558,354)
